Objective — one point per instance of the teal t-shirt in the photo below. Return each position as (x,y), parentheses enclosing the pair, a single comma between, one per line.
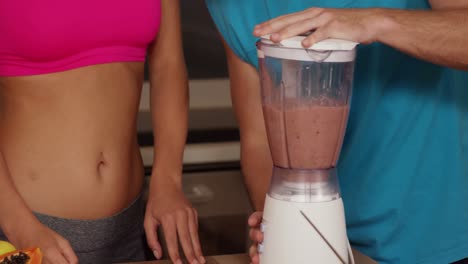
(404,164)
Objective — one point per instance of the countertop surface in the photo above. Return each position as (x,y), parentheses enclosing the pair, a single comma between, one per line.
(227,259)
(244,259)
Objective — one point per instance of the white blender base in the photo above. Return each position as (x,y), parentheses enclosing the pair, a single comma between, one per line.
(290,238)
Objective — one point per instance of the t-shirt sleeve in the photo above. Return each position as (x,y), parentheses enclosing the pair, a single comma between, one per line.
(235,22)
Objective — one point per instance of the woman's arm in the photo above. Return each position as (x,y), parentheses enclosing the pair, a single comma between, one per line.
(23,229)
(439,36)
(13,209)
(167,205)
(169,95)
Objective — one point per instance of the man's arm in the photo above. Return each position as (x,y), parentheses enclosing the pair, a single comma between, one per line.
(448,4)
(439,35)
(255,153)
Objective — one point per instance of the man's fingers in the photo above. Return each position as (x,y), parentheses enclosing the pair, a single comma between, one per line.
(170,234)
(301,27)
(151,230)
(185,239)
(276,24)
(255,259)
(253,250)
(193,229)
(255,219)
(253,254)
(256,235)
(282,21)
(318,35)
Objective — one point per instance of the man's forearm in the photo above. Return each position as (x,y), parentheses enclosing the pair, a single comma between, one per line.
(437,36)
(256,169)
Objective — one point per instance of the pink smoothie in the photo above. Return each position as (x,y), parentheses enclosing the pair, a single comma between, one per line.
(274,122)
(306,137)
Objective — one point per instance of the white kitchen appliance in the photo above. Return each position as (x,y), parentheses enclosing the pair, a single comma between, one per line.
(305,97)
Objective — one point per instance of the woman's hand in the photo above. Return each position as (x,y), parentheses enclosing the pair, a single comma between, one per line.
(167,206)
(255,235)
(359,25)
(55,248)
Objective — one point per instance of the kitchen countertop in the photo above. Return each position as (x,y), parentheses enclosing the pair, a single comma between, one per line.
(243,258)
(227,259)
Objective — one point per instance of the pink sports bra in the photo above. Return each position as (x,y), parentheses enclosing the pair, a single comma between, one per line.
(45,36)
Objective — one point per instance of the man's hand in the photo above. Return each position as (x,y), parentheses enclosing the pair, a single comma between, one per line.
(437,36)
(168,207)
(359,25)
(255,235)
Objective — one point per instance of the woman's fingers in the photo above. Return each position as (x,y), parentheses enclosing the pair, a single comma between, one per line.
(170,234)
(185,239)
(151,230)
(54,256)
(68,252)
(193,229)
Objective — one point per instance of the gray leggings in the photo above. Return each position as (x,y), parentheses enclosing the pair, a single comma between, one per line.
(114,239)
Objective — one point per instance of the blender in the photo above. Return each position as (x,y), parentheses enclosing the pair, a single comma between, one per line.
(305,98)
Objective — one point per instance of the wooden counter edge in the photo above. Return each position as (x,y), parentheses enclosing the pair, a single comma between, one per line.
(244,259)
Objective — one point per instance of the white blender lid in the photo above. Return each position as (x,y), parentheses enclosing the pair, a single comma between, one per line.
(328,50)
(327,44)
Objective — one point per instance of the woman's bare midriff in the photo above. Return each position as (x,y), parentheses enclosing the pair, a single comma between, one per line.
(69,139)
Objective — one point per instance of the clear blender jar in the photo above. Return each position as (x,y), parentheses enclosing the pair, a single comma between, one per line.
(305,97)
